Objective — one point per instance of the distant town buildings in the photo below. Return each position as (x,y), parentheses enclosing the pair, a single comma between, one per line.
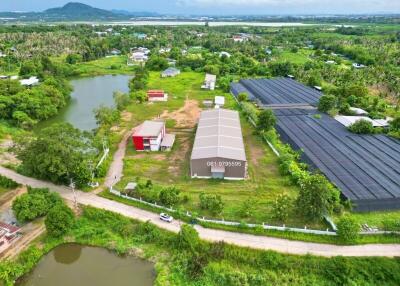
(224,54)
(32,81)
(164,50)
(358,66)
(140,36)
(170,72)
(138,56)
(240,38)
(115,52)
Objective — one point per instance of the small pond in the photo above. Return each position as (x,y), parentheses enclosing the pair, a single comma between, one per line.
(88,94)
(74,264)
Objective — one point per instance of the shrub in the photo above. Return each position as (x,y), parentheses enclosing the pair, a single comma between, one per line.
(266,120)
(188,238)
(326,103)
(212,203)
(317,197)
(282,207)
(8,183)
(59,220)
(348,229)
(34,204)
(169,196)
(362,126)
(242,96)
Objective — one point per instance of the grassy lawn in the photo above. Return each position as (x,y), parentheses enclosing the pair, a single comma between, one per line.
(102,66)
(300,58)
(260,189)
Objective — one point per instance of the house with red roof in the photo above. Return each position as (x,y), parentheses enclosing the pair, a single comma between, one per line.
(157,95)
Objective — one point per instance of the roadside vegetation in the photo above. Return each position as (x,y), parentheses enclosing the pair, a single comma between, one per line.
(183,259)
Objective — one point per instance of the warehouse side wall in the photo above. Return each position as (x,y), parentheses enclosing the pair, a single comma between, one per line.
(234,169)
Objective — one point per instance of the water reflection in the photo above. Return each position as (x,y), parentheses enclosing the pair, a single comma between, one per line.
(67,255)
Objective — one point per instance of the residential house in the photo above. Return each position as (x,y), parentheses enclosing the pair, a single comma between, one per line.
(8,234)
(170,72)
(157,95)
(151,136)
(209,82)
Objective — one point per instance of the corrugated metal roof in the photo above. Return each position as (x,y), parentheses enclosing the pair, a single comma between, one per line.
(150,128)
(366,168)
(219,135)
(168,140)
(277,91)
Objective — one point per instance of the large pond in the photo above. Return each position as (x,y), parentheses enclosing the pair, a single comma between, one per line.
(89,93)
(73,264)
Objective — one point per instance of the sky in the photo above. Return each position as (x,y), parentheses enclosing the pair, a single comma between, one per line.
(220,7)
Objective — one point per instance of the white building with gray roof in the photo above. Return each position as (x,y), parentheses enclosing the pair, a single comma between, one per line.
(218,150)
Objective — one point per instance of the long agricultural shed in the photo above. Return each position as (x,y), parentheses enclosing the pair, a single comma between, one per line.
(218,150)
(366,168)
(278,92)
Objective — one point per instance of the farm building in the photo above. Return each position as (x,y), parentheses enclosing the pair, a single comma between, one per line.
(151,136)
(366,168)
(209,82)
(170,72)
(278,92)
(219,101)
(157,95)
(218,150)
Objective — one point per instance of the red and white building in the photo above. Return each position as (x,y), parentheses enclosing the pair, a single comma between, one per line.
(8,233)
(151,136)
(157,95)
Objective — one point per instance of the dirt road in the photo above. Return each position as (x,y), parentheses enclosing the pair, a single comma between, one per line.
(246,240)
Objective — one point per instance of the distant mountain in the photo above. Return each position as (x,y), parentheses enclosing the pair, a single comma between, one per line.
(75,10)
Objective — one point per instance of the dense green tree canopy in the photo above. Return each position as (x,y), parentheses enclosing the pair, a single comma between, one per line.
(59,153)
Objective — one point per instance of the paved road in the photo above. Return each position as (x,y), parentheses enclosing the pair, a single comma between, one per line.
(246,240)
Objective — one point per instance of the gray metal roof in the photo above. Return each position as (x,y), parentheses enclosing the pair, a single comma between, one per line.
(168,140)
(171,71)
(277,91)
(150,129)
(366,168)
(219,135)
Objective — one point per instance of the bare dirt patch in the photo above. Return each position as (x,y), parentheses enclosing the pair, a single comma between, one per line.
(178,157)
(186,116)
(6,156)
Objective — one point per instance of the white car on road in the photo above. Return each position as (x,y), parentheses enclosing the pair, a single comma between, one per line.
(166,217)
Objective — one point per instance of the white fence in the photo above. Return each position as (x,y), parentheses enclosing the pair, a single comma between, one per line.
(252,225)
(228,223)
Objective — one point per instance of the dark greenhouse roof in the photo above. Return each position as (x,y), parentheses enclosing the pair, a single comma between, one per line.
(366,168)
(277,91)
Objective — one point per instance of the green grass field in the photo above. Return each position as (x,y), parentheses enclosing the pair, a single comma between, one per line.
(108,65)
(300,58)
(172,168)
